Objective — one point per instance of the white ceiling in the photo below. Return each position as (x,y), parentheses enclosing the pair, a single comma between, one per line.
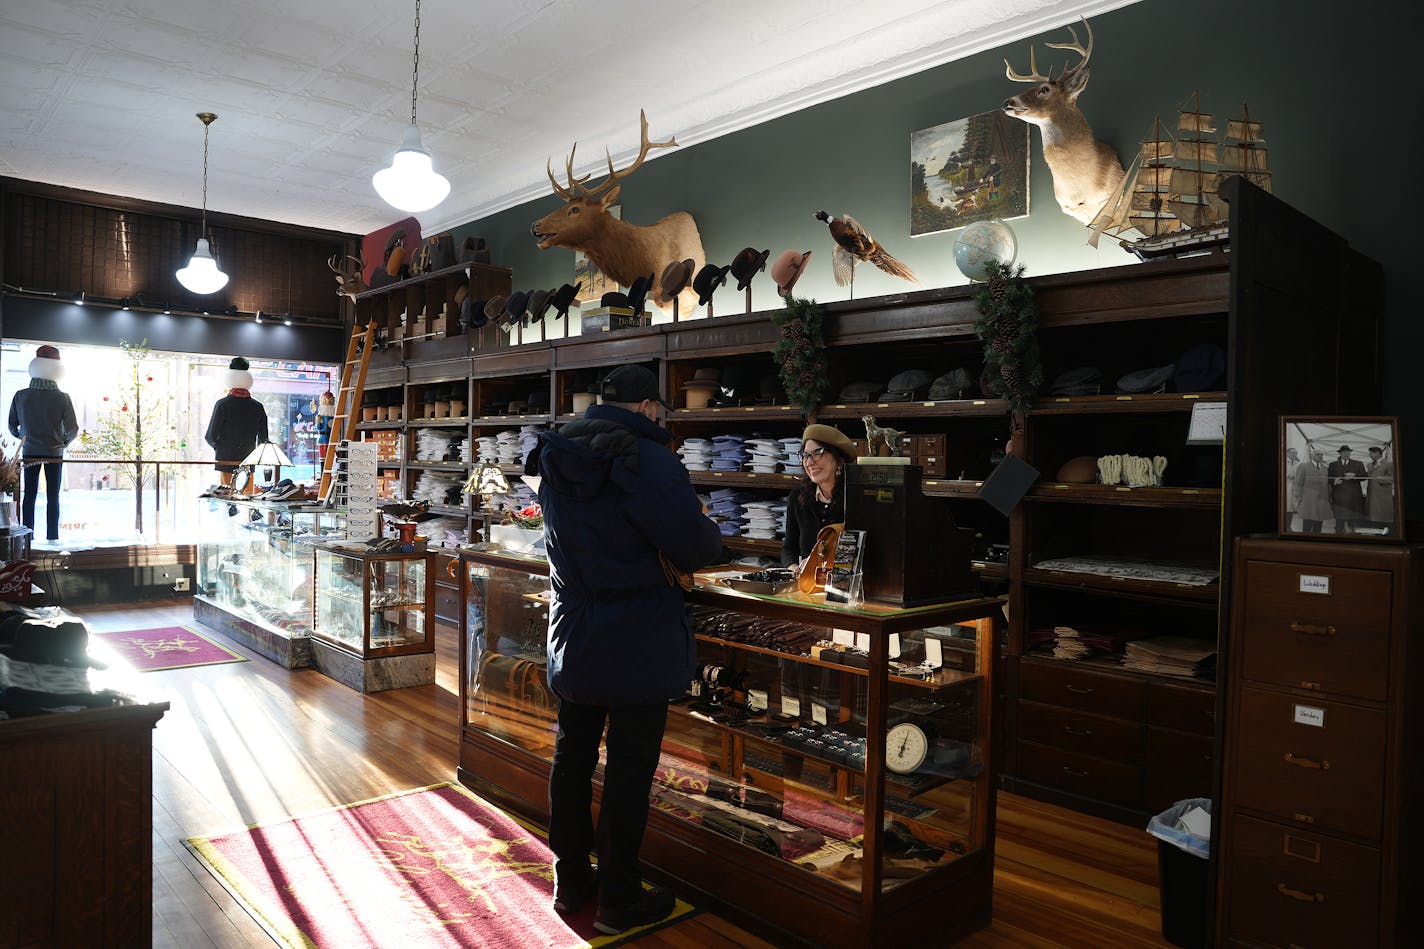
(312,95)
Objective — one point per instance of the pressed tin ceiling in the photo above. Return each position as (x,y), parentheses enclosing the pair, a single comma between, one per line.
(312,95)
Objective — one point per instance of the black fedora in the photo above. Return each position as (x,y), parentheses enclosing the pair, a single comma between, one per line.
(614,298)
(708,279)
(517,305)
(563,297)
(747,264)
(638,293)
(473,313)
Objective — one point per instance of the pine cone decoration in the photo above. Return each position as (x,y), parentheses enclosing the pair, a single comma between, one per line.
(998,289)
(1010,374)
(1004,336)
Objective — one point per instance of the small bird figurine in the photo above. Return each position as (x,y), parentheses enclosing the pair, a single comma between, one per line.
(853,242)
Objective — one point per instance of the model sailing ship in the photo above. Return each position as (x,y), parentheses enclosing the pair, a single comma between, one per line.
(1170,194)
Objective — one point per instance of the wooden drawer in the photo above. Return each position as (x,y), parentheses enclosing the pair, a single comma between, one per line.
(1082,774)
(445,569)
(447,604)
(1185,709)
(1058,683)
(1161,790)
(1180,753)
(1081,731)
(1336,643)
(1292,888)
(1329,776)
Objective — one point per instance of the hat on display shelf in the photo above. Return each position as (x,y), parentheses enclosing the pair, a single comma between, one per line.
(788,269)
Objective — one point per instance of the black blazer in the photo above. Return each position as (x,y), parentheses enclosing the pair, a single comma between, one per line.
(804,522)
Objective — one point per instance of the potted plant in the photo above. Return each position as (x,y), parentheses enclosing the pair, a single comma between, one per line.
(11,474)
(522,531)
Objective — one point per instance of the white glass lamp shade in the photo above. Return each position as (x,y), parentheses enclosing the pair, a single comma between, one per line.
(267,455)
(411,182)
(202,275)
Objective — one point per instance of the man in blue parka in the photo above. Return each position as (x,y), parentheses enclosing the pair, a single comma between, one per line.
(619,509)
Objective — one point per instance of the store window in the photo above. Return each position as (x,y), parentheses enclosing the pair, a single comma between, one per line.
(133,402)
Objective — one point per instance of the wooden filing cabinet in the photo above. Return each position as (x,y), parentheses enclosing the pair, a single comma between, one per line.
(1317,829)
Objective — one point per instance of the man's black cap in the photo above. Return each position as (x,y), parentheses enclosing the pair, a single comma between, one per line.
(632,384)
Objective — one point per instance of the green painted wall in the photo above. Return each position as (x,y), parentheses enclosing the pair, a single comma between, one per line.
(1325,83)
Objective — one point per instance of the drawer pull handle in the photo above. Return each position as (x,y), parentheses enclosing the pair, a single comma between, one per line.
(1301,895)
(1079,732)
(1074,773)
(450,568)
(1077,690)
(1313,629)
(1301,761)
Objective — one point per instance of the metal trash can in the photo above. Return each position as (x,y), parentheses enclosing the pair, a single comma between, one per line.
(1181,869)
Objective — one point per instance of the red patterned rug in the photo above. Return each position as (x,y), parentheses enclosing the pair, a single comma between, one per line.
(433,868)
(171,647)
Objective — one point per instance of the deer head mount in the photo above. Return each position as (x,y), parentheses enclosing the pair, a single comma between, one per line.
(1086,172)
(349,280)
(621,250)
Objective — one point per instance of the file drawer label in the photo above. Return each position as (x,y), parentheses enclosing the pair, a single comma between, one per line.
(1306,715)
(1311,584)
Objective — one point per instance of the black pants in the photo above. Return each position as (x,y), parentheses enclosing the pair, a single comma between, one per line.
(635,736)
(32,488)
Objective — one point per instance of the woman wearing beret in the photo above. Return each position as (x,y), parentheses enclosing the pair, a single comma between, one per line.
(825,451)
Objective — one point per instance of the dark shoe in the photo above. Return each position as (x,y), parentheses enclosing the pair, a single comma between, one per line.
(654,905)
(570,897)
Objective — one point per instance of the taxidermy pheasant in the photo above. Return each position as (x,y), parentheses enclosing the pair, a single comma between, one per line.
(854,243)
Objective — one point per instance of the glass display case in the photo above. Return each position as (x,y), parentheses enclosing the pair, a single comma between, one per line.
(828,770)
(373,604)
(255,571)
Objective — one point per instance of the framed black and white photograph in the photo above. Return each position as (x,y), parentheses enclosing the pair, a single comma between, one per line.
(1340,478)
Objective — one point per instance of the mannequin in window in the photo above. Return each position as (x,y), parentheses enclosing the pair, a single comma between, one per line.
(43,418)
(238,422)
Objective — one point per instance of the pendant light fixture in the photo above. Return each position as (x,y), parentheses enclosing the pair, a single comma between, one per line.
(202,275)
(411,183)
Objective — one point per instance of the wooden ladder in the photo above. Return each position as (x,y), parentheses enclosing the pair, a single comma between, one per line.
(348,398)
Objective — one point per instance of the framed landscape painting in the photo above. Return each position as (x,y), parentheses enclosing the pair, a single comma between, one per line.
(972,169)
(1340,478)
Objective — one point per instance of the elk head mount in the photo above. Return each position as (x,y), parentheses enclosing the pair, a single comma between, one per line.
(619,249)
(1086,172)
(349,280)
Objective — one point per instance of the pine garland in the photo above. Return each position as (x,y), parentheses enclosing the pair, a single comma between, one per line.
(800,353)
(1008,327)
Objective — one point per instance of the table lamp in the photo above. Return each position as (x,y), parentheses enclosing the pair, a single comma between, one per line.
(267,455)
(486,481)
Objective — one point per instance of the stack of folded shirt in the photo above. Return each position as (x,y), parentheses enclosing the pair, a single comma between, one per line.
(528,438)
(442,531)
(465,450)
(726,509)
(765,520)
(696,454)
(791,460)
(731,453)
(431,445)
(488,449)
(767,455)
(438,487)
(508,447)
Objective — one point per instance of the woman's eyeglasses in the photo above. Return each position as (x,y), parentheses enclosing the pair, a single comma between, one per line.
(813,454)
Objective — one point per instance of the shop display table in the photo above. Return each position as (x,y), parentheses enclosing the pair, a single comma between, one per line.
(820,780)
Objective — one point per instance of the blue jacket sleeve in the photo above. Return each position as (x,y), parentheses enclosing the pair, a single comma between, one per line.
(15,415)
(667,512)
(214,431)
(70,424)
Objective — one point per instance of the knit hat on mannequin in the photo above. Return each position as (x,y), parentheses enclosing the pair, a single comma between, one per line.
(46,364)
(237,376)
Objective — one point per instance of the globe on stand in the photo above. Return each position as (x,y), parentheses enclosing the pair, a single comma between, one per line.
(981,244)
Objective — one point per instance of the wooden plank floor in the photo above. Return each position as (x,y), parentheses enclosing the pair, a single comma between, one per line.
(251,742)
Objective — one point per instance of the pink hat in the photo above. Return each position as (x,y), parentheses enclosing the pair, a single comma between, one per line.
(788,268)
(47,352)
